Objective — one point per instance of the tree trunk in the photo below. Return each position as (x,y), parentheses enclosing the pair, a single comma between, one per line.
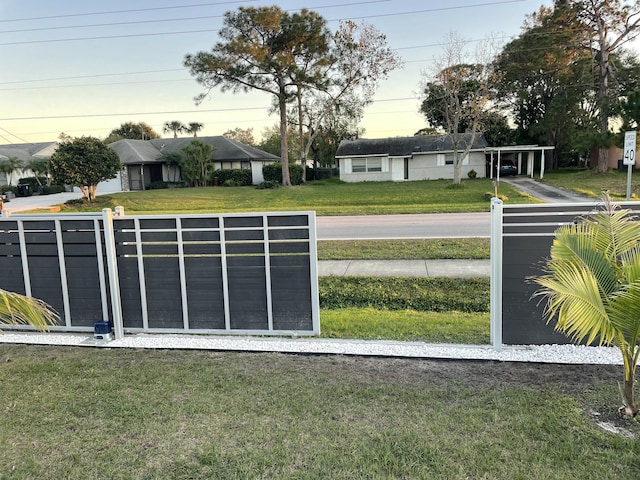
(631,409)
(284,141)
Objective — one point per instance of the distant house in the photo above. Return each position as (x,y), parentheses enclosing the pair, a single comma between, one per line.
(427,157)
(144,161)
(24,152)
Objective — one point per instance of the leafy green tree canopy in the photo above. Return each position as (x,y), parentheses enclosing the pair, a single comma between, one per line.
(196,163)
(132,131)
(84,162)
(269,50)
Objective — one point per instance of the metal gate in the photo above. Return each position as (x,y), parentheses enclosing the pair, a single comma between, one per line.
(253,273)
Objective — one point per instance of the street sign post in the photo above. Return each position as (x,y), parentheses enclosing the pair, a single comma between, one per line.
(629,157)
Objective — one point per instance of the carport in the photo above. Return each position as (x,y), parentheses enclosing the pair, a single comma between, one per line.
(497,152)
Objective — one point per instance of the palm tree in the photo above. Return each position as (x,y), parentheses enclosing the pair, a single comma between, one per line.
(175,126)
(592,287)
(10,165)
(194,127)
(16,309)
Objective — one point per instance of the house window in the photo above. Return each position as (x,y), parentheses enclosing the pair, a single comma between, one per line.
(374,165)
(448,159)
(359,165)
(364,165)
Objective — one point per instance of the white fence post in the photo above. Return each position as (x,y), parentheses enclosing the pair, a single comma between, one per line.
(112,272)
(496,273)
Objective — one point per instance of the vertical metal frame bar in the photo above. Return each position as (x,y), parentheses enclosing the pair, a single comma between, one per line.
(313,263)
(225,276)
(63,273)
(141,277)
(496,273)
(183,275)
(267,271)
(24,258)
(101,272)
(112,269)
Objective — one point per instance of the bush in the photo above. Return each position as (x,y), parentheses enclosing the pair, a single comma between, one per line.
(272,172)
(235,177)
(396,293)
(8,188)
(158,185)
(472,174)
(321,173)
(268,185)
(51,189)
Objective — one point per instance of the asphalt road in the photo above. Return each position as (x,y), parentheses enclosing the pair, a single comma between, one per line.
(439,225)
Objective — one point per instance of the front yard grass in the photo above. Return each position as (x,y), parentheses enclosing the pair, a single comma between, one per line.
(324,197)
(590,183)
(78,413)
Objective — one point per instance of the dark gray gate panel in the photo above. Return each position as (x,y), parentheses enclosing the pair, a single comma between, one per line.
(247,293)
(64,260)
(242,273)
(527,236)
(11,275)
(205,293)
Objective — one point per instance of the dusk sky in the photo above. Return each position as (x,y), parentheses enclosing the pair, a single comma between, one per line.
(85,67)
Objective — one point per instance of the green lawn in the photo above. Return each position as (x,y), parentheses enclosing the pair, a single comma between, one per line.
(86,413)
(592,184)
(323,197)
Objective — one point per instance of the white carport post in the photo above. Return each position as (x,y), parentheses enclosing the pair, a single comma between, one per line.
(542,164)
(496,274)
(112,272)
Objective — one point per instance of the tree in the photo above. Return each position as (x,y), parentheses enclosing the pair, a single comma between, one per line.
(132,131)
(16,309)
(456,98)
(610,24)
(194,127)
(9,165)
(41,167)
(592,287)
(196,164)
(174,126)
(358,59)
(242,135)
(84,162)
(264,49)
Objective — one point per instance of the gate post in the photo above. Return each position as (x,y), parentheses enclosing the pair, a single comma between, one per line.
(496,273)
(112,272)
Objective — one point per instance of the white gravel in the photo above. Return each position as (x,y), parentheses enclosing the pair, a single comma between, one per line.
(521,353)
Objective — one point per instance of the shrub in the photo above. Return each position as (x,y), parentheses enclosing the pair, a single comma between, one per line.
(8,188)
(272,172)
(51,189)
(268,185)
(158,185)
(232,177)
(472,174)
(396,293)
(321,173)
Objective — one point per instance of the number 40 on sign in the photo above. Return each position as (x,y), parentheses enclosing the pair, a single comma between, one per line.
(629,148)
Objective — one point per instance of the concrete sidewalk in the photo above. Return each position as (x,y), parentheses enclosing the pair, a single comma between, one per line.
(404,268)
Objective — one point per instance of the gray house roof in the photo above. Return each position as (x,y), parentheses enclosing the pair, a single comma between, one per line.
(28,151)
(224,150)
(405,146)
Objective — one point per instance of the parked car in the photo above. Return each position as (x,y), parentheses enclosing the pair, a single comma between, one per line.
(507,167)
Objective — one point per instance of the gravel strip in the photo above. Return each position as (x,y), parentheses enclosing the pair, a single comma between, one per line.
(569,354)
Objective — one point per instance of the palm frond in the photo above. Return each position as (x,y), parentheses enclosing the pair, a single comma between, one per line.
(16,309)
(573,298)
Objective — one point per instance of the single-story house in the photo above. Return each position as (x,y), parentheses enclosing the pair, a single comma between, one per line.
(421,157)
(430,157)
(143,161)
(25,152)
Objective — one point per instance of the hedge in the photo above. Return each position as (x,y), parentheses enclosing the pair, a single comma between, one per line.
(402,293)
